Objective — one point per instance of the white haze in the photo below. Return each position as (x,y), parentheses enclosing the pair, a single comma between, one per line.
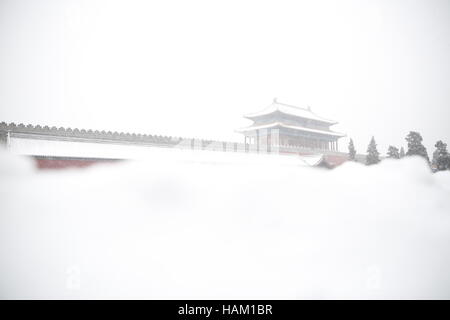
(192,68)
(186,225)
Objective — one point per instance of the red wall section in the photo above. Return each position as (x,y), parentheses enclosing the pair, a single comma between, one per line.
(335,160)
(55,163)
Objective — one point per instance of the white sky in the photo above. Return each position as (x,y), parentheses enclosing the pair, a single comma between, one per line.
(192,68)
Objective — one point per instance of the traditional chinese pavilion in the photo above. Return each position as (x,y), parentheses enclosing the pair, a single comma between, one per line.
(278,129)
(289,126)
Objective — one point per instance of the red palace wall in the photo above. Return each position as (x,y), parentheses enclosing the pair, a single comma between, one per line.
(62,163)
(335,160)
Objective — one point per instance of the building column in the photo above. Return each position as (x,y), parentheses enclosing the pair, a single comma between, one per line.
(257,141)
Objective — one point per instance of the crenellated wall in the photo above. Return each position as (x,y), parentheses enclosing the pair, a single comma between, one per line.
(86,134)
(19,134)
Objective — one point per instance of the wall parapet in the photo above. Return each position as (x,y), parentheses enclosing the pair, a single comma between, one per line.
(87,135)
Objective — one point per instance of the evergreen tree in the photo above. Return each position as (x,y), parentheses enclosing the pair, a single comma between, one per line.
(402,152)
(415,146)
(441,158)
(351,151)
(373,156)
(393,153)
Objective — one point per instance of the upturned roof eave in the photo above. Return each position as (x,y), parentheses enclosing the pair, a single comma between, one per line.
(253,116)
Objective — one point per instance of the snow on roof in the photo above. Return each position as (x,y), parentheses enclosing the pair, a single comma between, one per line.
(279,124)
(289,110)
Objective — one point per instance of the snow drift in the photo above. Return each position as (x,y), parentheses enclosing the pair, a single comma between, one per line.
(168,227)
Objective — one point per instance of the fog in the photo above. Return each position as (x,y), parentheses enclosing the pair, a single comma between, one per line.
(192,68)
(189,225)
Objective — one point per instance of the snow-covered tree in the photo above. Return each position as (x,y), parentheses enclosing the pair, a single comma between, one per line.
(393,153)
(402,152)
(373,156)
(415,146)
(441,157)
(351,151)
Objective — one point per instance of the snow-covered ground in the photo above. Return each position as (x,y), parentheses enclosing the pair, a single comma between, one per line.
(185,225)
